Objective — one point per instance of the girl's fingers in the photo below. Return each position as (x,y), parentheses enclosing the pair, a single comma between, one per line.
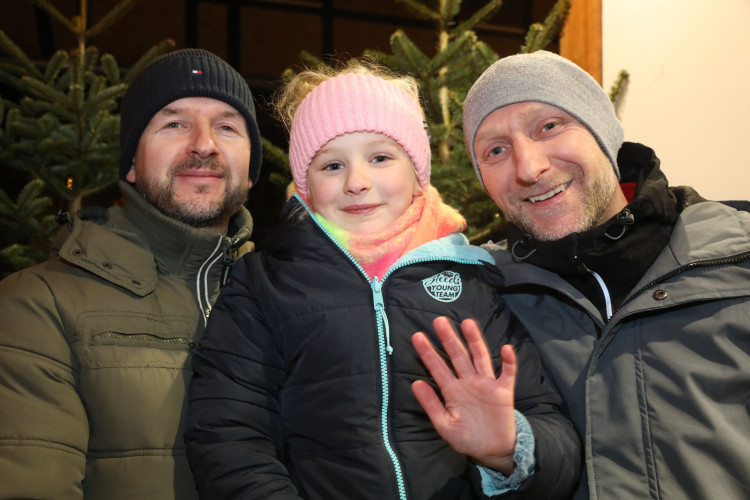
(434,363)
(510,366)
(430,402)
(453,346)
(479,352)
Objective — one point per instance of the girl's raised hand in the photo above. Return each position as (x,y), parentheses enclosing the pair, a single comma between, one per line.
(477,418)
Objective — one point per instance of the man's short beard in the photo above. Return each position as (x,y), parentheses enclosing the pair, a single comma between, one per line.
(195,214)
(596,195)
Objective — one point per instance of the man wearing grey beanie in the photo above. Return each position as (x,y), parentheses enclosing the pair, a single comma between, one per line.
(95,343)
(636,293)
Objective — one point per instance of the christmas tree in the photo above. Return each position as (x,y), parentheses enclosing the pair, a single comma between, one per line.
(62,134)
(460,57)
(59,122)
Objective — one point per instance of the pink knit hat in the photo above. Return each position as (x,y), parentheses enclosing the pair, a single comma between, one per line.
(354,102)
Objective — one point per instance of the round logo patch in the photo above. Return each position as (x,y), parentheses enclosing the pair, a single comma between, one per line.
(445,286)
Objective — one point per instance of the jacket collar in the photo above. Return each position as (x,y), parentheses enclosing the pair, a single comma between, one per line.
(632,239)
(703,234)
(131,246)
(296,213)
(177,247)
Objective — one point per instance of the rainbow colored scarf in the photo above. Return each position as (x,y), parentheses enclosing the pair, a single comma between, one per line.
(426,219)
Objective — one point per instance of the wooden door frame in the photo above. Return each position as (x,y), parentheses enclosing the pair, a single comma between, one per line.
(581,38)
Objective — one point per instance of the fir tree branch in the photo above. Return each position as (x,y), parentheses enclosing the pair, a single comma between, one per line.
(111,17)
(160,48)
(274,153)
(76,97)
(454,77)
(88,62)
(458,49)
(385,59)
(55,65)
(29,201)
(484,14)
(98,100)
(49,109)
(539,35)
(412,59)
(110,68)
(19,55)
(310,60)
(20,216)
(485,234)
(279,158)
(18,257)
(485,56)
(618,89)
(39,89)
(448,10)
(52,11)
(421,10)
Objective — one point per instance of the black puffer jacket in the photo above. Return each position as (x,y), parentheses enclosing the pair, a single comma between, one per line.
(296,395)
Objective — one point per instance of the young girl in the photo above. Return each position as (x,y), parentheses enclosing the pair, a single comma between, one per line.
(302,383)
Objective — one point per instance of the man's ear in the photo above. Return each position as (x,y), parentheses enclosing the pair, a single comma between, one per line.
(130,176)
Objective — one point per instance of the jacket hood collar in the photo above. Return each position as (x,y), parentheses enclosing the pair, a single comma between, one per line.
(635,235)
(177,246)
(453,246)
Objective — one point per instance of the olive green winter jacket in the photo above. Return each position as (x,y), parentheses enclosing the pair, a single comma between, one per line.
(95,350)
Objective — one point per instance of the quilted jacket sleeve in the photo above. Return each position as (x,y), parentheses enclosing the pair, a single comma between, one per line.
(233,435)
(43,426)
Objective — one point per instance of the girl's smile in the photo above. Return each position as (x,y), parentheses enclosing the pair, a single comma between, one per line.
(362,182)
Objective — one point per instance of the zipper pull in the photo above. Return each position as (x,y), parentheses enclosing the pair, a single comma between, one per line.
(228,261)
(377,293)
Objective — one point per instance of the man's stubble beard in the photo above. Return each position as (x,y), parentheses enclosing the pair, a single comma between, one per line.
(198,214)
(595,195)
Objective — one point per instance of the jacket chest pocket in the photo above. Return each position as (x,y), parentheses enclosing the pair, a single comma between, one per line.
(135,340)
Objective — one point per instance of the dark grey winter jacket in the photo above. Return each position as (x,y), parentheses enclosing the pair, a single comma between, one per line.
(660,392)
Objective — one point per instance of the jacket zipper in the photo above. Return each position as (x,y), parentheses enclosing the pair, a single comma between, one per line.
(145,337)
(384,343)
(676,272)
(724,261)
(383,348)
(602,286)
(381,320)
(201,281)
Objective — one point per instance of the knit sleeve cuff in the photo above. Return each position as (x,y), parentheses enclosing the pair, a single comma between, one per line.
(495,483)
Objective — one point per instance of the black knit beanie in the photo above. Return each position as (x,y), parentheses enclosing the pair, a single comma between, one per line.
(184,73)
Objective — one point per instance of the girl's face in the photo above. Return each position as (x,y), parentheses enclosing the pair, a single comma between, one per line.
(362,182)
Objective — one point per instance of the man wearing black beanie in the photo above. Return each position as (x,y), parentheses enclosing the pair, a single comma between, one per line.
(95,343)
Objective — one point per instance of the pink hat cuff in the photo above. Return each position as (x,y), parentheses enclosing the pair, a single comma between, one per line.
(354,102)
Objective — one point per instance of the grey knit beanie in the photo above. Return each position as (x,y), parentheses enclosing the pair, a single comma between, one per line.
(547,78)
(184,73)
